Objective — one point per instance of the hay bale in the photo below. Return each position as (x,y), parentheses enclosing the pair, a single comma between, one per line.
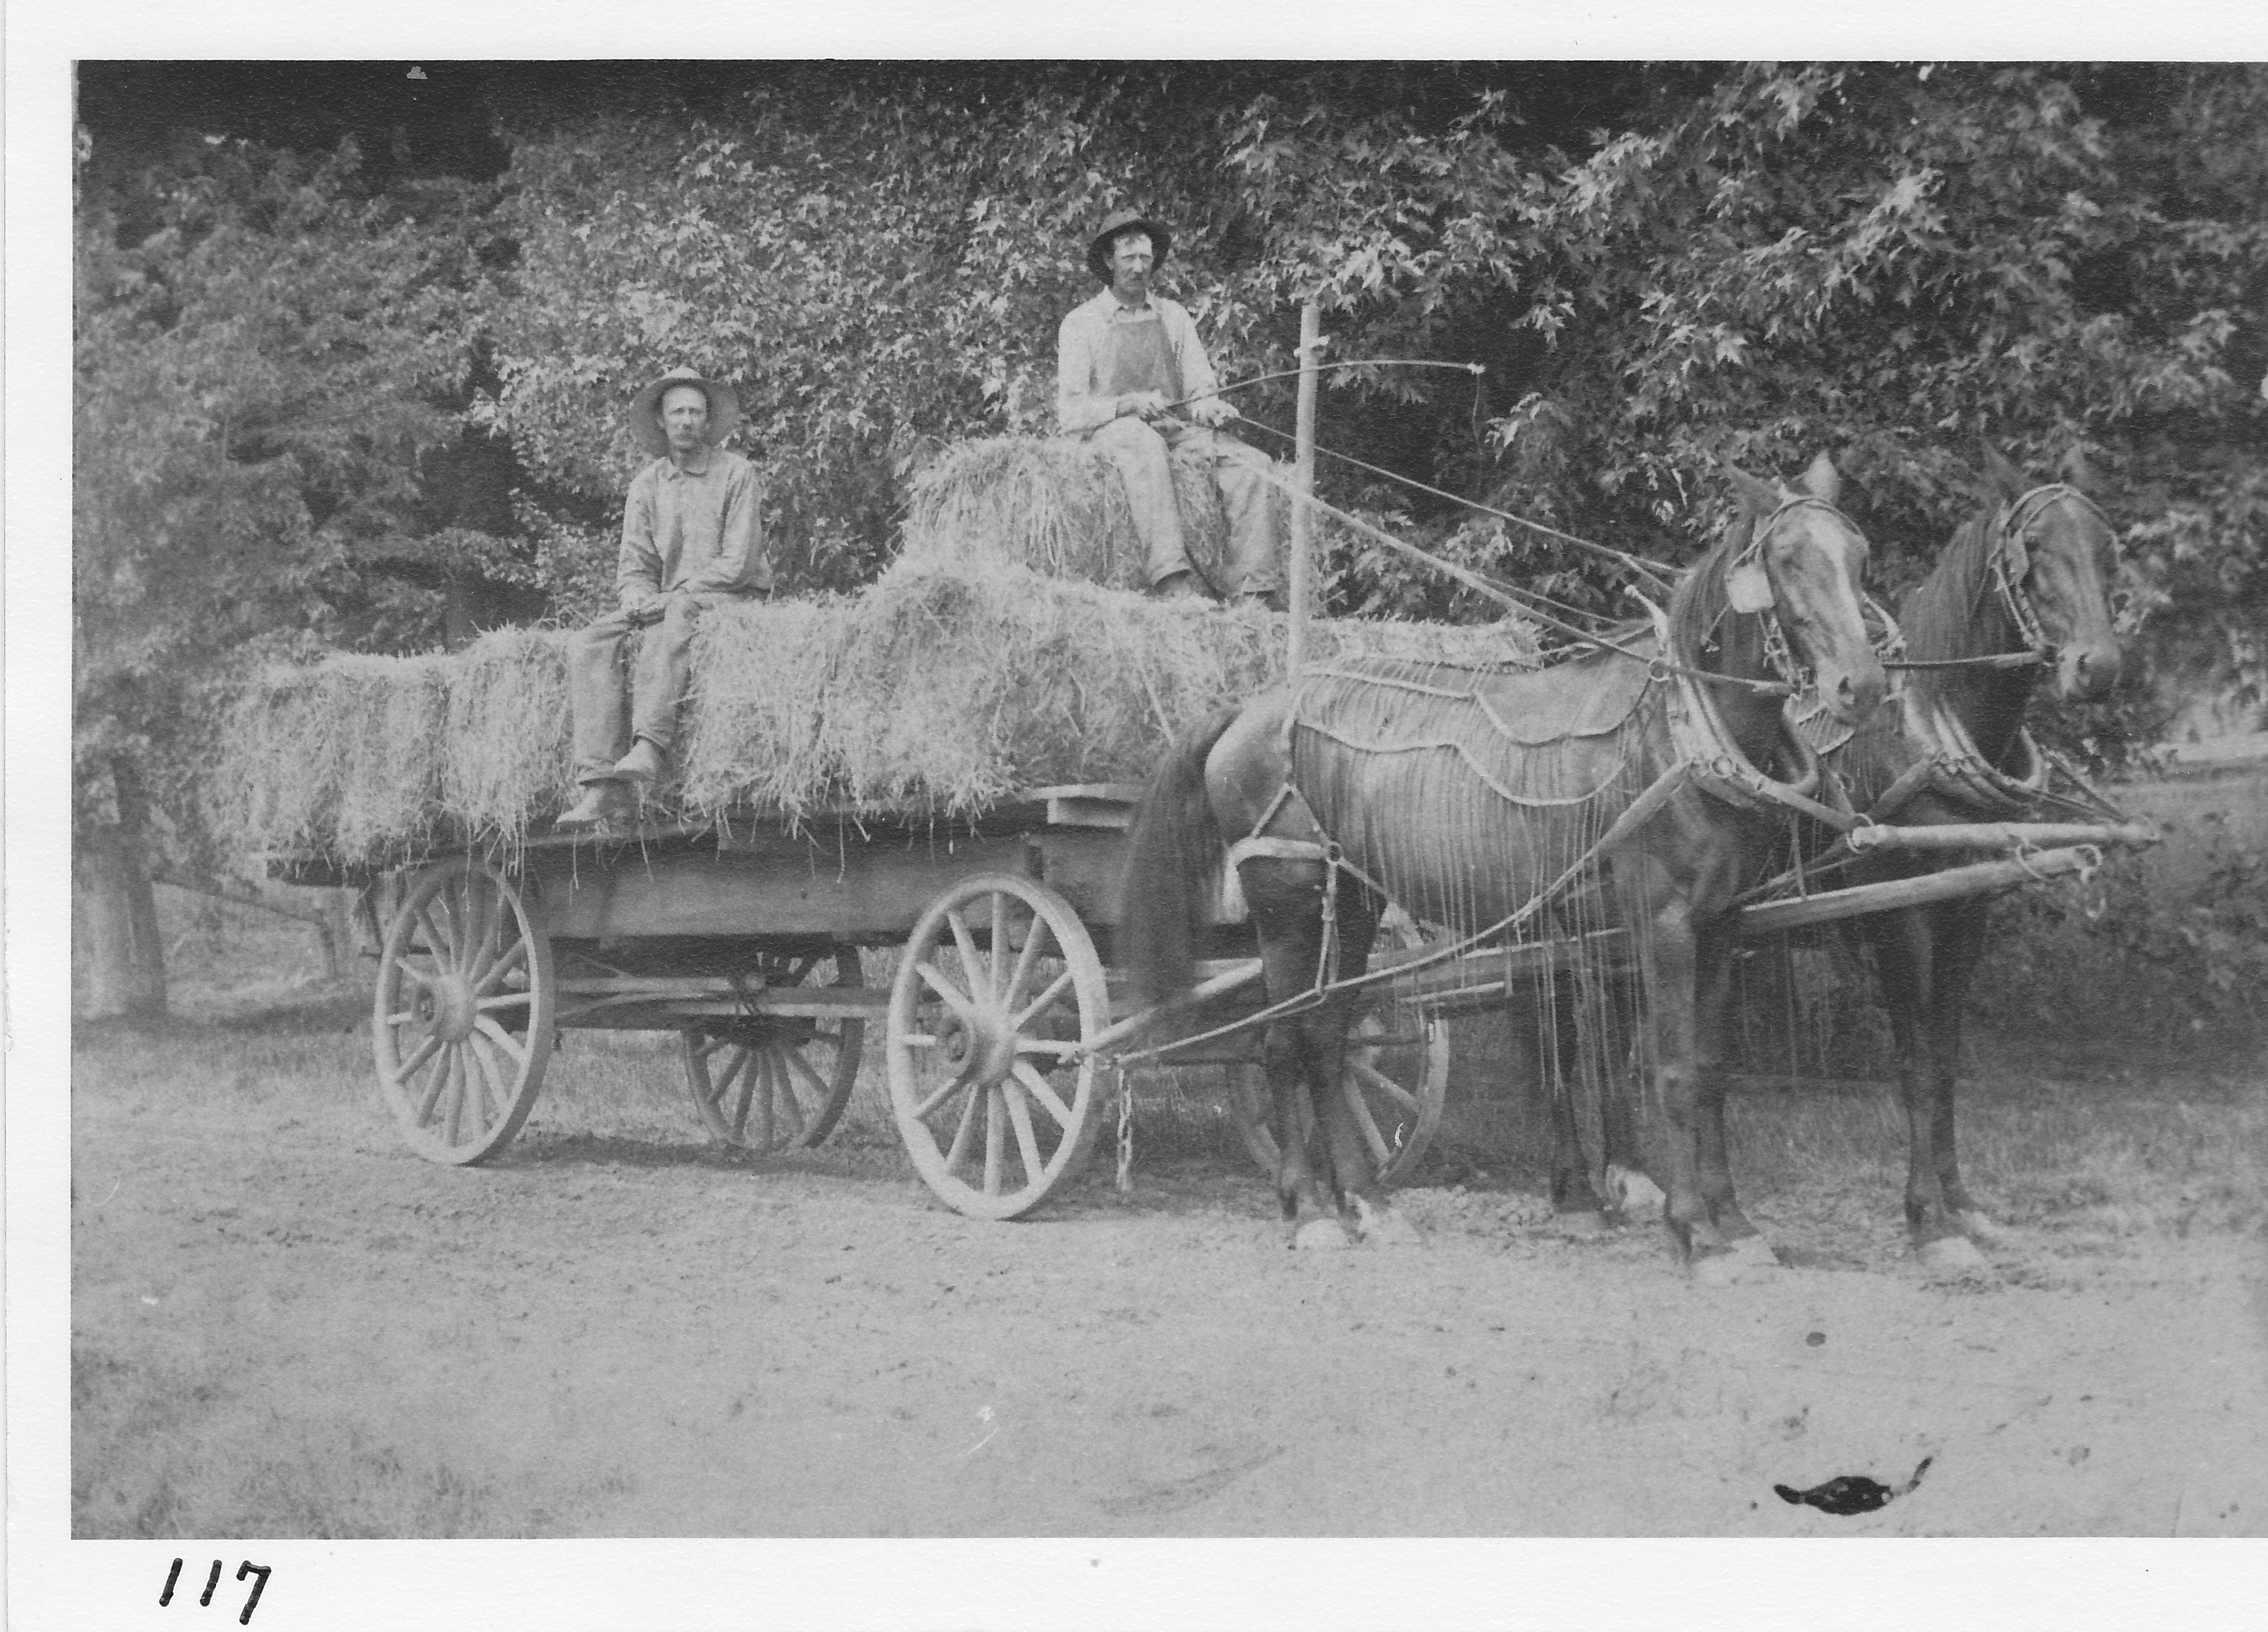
(1057,506)
(762,672)
(344,757)
(939,690)
(958,686)
(508,753)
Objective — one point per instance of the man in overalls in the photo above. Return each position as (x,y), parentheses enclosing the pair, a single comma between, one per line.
(1122,360)
(692,539)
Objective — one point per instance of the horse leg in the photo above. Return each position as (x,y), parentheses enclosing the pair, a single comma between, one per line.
(1905,958)
(1631,1191)
(1712,1023)
(1354,1142)
(1958,940)
(1285,898)
(1667,961)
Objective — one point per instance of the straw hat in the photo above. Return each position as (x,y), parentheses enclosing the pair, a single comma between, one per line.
(1098,248)
(723,408)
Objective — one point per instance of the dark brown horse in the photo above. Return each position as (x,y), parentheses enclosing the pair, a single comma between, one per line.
(1473,798)
(2027,574)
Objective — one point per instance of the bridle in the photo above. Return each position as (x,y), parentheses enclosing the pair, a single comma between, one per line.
(2011,561)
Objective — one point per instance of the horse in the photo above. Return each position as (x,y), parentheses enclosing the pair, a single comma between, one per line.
(1475,799)
(2026,575)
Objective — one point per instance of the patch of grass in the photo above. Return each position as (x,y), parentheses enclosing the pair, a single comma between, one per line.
(159,1452)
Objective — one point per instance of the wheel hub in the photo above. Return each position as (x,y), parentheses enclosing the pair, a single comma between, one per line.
(980,1047)
(455,1008)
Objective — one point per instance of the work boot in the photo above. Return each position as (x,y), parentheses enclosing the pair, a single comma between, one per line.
(1274,600)
(643,763)
(604,802)
(1181,586)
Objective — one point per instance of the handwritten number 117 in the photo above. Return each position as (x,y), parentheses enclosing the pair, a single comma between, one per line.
(247,1568)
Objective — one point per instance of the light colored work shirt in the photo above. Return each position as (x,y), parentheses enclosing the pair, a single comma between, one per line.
(1085,355)
(698,529)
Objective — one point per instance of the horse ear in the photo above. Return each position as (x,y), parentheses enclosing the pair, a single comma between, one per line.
(1747,587)
(2076,470)
(2005,479)
(1757,498)
(1823,481)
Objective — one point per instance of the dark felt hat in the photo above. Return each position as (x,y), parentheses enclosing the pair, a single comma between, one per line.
(1098,248)
(723,408)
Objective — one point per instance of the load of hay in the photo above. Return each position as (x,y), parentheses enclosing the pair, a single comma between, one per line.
(961,677)
(1057,506)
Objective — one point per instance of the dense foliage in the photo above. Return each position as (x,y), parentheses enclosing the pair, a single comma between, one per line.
(318,399)
(262,363)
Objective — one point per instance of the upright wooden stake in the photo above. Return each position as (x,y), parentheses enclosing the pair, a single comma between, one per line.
(1304,483)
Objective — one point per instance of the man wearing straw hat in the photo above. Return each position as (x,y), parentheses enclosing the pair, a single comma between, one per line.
(1130,373)
(692,539)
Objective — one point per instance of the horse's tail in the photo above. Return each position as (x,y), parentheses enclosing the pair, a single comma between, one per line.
(1173,848)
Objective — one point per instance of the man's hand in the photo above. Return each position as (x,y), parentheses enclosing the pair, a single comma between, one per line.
(1148,404)
(1210,410)
(648,609)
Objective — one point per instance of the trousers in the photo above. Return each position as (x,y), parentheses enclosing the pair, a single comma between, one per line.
(1138,449)
(611,707)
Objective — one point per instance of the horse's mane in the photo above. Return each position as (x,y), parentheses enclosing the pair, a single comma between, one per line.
(1939,616)
(1699,603)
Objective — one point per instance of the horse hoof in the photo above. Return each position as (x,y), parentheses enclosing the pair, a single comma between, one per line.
(1323,1235)
(1717,1268)
(1755,1252)
(1382,1226)
(1951,1255)
(1981,1228)
(1633,1194)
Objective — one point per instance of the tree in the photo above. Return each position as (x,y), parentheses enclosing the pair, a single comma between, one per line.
(261,358)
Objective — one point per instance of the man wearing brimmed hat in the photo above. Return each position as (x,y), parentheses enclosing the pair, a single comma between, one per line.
(692,538)
(1132,378)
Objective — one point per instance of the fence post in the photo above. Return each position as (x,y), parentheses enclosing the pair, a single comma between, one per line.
(1303,482)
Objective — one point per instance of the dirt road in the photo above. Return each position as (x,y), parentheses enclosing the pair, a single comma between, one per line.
(627,1332)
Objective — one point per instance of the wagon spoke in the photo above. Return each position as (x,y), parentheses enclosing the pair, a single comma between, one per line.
(489,909)
(506,1000)
(492,1073)
(973,967)
(999,947)
(1055,1046)
(1033,938)
(504,1040)
(757,1094)
(955,999)
(1384,1084)
(733,1075)
(425,1051)
(1380,1150)
(819,1085)
(993,1133)
(436,1079)
(513,957)
(937,1098)
(1044,1001)
(959,1153)
(1027,1143)
(453,1092)
(917,1039)
(413,972)
(437,945)
(1037,1087)
(790,1103)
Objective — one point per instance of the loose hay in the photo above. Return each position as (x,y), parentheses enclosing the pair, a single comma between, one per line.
(761,673)
(508,752)
(1057,506)
(939,691)
(344,757)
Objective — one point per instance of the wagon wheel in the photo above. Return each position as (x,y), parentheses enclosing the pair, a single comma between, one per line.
(998,989)
(464,1012)
(774,1082)
(1397,1077)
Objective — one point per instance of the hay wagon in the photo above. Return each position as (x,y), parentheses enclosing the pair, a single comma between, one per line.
(753,941)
